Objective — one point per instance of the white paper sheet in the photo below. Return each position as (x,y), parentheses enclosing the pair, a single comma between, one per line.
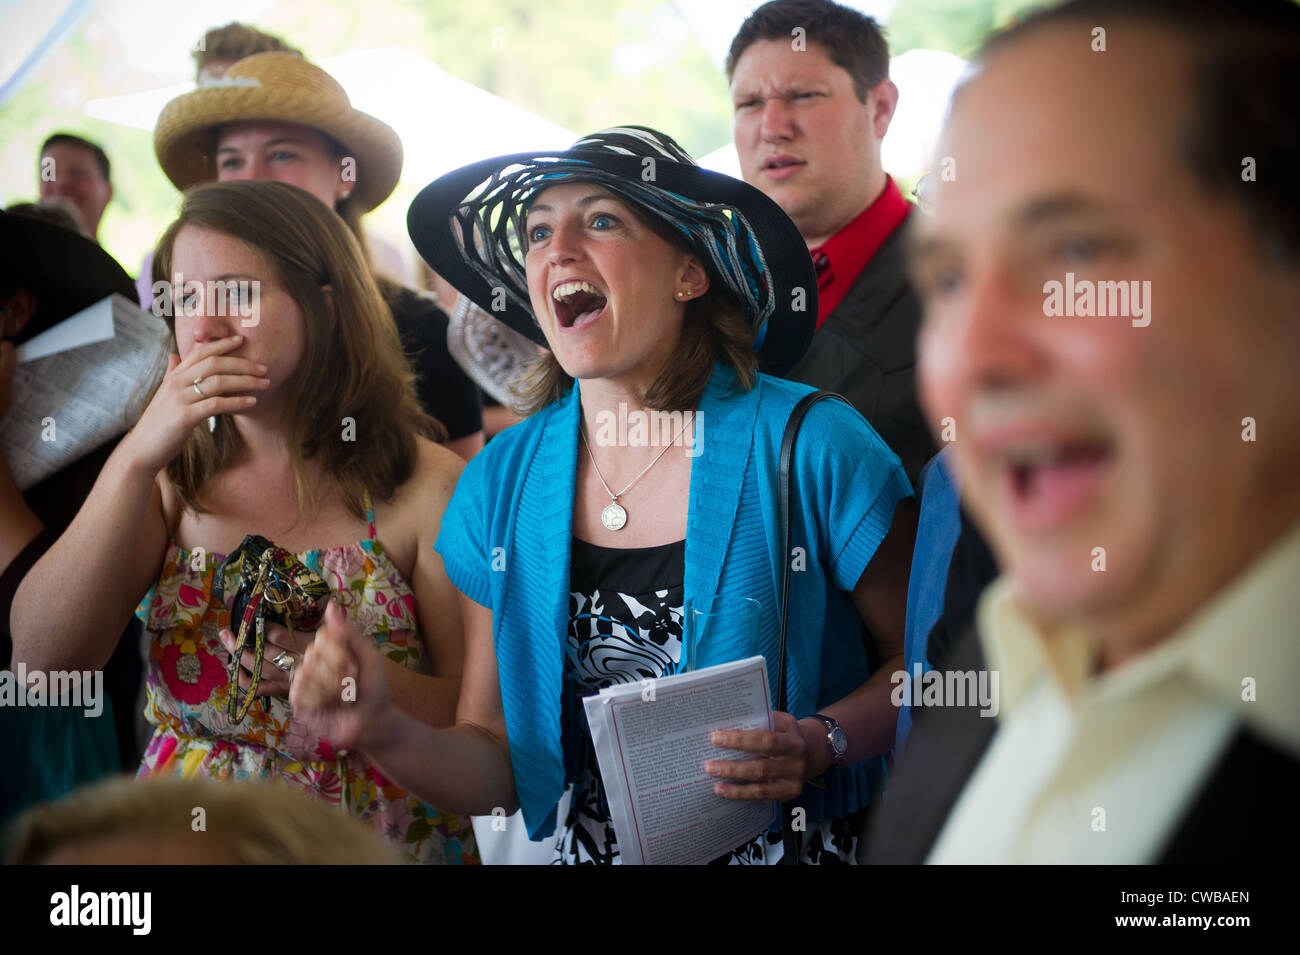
(651,741)
(90,325)
(91,378)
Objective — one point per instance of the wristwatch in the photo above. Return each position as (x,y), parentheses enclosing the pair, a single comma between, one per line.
(835,736)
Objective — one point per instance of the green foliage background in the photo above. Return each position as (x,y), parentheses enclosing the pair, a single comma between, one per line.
(557,61)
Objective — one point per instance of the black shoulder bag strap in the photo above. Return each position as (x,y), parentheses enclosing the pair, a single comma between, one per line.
(785,504)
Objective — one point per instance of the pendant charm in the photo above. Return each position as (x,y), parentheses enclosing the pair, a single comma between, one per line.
(613,516)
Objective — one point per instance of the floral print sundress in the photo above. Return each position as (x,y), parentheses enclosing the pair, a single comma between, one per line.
(188,696)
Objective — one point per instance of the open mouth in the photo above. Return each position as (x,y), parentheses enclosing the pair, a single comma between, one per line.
(577,304)
(1049,481)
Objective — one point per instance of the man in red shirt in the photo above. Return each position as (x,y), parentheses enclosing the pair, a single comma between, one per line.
(813,99)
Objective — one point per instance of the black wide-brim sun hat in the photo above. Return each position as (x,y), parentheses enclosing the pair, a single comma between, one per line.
(469,226)
(63,269)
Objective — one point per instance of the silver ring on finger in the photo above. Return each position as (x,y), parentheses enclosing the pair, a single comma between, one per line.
(285,661)
(195,384)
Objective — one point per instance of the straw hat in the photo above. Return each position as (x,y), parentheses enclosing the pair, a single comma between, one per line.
(469,226)
(278,87)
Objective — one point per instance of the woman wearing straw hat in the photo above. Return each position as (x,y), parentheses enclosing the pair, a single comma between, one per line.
(656,286)
(277,116)
(320,446)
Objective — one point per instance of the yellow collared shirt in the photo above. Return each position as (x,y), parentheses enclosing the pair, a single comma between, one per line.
(1099,768)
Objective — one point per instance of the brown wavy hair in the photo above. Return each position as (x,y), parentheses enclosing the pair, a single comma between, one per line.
(352,364)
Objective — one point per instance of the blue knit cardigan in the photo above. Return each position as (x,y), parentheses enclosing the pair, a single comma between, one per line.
(506,540)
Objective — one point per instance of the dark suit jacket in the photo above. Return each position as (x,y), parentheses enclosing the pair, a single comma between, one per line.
(866,351)
(1244,810)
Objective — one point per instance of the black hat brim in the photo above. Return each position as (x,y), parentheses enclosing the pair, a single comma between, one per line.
(63,269)
(785,335)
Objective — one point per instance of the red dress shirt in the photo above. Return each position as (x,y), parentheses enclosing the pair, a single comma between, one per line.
(845,254)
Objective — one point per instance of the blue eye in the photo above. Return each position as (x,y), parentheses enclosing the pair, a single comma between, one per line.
(602,218)
(947,282)
(537,233)
(1080,249)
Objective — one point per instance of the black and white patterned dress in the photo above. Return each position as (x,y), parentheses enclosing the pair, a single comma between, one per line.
(625,625)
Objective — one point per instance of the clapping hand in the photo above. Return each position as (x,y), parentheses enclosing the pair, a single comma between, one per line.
(340,688)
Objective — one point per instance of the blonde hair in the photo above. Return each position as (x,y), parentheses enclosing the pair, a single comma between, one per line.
(261,823)
(352,364)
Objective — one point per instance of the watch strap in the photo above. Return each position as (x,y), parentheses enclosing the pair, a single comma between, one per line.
(832,726)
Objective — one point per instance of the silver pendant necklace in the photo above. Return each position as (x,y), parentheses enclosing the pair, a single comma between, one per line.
(614,516)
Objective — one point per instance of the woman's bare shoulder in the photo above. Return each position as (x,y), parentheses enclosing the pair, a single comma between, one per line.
(169,499)
(432,480)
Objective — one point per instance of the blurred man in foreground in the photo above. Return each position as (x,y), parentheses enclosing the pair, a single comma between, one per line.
(1111,283)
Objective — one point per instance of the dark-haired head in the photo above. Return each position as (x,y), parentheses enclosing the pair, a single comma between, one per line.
(1242,94)
(853,41)
(95,150)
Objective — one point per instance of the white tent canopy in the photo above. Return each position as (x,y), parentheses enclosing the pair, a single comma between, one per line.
(443,121)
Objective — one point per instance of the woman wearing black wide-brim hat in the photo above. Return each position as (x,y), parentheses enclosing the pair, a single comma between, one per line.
(49,272)
(645,477)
